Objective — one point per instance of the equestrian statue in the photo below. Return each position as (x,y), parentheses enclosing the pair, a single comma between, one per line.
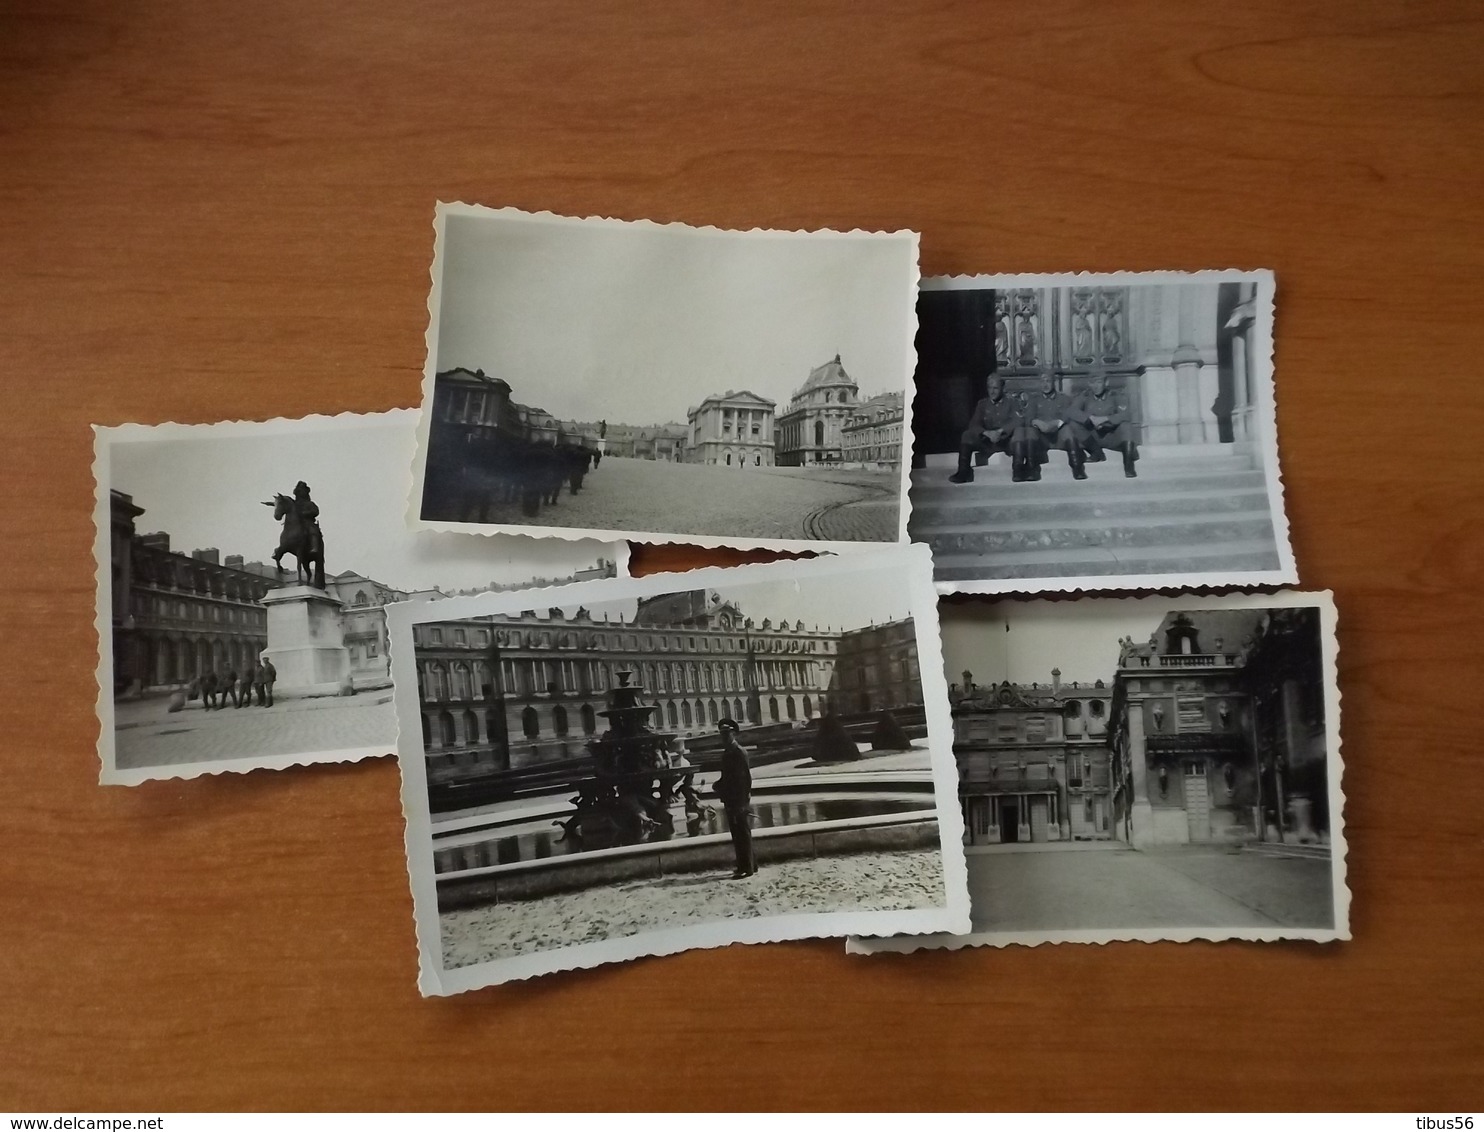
(301,535)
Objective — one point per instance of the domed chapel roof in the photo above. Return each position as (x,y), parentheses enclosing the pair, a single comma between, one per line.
(831,373)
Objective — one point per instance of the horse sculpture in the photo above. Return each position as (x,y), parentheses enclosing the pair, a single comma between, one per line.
(302,538)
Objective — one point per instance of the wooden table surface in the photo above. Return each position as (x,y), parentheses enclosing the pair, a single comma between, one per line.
(212,211)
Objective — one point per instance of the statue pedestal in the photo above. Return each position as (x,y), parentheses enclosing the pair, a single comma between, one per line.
(306,641)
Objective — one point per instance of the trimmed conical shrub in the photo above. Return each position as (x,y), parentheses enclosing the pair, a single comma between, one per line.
(832,743)
(889,735)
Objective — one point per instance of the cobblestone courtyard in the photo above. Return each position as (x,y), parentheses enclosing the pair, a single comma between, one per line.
(1106,886)
(706,499)
(146,735)
(862,882)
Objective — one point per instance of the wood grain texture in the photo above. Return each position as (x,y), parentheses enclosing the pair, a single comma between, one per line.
(211,211)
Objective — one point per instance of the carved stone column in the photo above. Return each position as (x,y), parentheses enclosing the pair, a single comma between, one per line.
(1141,810)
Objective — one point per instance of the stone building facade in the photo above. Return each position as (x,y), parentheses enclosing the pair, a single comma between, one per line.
(1033,760)
(1218,731)
(1184,355)
(812,430)
(177,616)
(364,617)
(872,436)
(734,429)
(876,667)
(519,690)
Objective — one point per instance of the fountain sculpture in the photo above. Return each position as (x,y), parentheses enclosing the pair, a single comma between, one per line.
(636,780)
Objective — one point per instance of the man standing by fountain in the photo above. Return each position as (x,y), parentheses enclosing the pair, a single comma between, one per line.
(734,789)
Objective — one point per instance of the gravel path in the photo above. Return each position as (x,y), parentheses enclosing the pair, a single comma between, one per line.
(862,882)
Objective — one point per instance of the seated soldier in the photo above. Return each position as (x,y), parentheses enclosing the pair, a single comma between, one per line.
(996,426)
(1107,424)
(1052,416)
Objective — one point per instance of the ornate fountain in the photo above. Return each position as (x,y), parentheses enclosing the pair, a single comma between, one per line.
(636,781)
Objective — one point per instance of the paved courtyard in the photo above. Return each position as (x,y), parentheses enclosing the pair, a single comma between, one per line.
(146,735)
(861,882)
(1105,886)
(705,499)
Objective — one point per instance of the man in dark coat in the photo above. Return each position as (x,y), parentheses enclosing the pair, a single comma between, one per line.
(1107,425)
(229,686)
(266,674)
(249,680)
(734,790)
(208,690)
(1053,417)
(996,426)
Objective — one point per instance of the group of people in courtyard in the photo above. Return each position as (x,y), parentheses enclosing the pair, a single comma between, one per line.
(228,688)
(1083,425)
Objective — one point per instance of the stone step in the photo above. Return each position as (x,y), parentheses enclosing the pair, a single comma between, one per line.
(1121,533)
(952,514)
(1227,557)
(984,490)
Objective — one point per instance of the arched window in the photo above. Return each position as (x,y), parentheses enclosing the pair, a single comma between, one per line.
(737,712)
(670,714)
(530,723)
(1072,709)
(711,713)
(808,708)
(729,460)
(773,708)
(461,682)
(819,430)
(758,460)
(427,734)
(685,716)
(471,728)
(446,729)
(793,711)
(589,719)
(559,719)
(1096,707)
(360,597)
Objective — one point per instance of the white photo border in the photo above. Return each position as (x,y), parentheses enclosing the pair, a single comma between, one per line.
(1323,600)
(915,564)
(1267,415)
(104,437)
(444,209)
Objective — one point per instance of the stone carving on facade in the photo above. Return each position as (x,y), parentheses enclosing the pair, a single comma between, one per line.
(1027,336)
(1112,325)
(1001,330)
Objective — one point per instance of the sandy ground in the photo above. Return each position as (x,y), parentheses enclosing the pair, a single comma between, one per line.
(861,882)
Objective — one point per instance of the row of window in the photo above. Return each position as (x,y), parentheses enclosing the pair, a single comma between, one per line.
(144,605)
(445,729)
(465,681)
(632,642)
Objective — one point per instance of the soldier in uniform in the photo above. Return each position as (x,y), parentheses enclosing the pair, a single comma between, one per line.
(266,674)
(996,426)
(734,790)
(229,686)
(249,681)
(1053,417)
(1107,424)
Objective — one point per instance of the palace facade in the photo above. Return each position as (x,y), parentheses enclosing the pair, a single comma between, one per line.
(734,429)
(518,690)
(872,436)
(811,430)
(1218,730)
(177,616)
(876,667)
(1033,760)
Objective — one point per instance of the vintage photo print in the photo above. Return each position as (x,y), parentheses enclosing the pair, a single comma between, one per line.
(638,767)
(1161,768)
(661,383)
(1083,432)
(244,570)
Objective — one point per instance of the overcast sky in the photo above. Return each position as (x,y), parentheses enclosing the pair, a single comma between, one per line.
(205,491)
(635,324)
(1023,641)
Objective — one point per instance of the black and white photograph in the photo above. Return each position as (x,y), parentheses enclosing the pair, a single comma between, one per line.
(1082,432)
(244,570)
(1146,769)
(661,383)
(638,767)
